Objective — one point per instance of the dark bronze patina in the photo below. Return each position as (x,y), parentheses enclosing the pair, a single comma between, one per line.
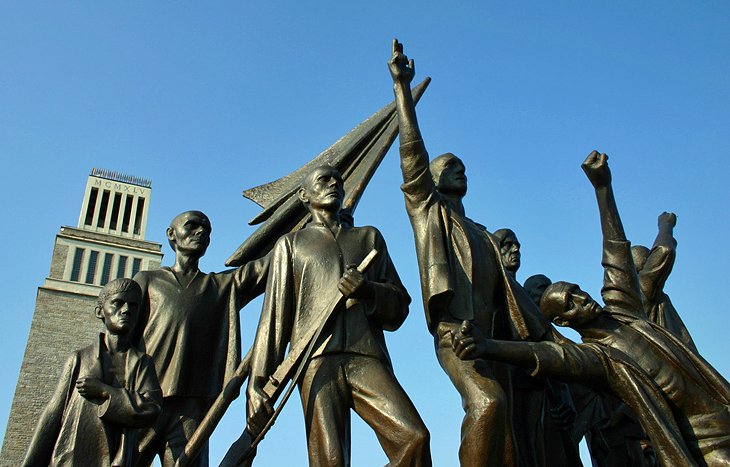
(680,400)
(349,367)
(106,392)
(462,278)
(190,327)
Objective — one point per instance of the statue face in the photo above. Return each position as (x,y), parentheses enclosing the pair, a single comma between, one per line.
(119,312)
(323,189)
(509,249)
(449,175)
(190,232)
(579,309)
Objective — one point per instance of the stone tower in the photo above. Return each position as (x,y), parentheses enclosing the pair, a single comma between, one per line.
(108,242)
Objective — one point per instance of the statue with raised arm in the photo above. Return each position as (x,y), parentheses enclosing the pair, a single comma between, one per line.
(654,267)
(189,325)
(349,367)
(612,434)
(462,278)
(678,397)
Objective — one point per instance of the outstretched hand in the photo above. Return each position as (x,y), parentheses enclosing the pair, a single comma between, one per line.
(667,218)
(402,70)
(469,342)
(596,169)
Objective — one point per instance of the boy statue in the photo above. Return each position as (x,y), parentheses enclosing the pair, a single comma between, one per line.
(106,392)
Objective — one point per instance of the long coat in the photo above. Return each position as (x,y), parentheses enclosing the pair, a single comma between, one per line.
(73,431)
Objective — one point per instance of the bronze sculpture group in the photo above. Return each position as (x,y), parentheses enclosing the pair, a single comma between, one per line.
(529,394)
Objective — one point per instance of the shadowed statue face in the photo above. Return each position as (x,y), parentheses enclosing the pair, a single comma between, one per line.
(565,304)
(509,249)
(536,285)
(189,232)
(449,174)
(323,189)
(639,254)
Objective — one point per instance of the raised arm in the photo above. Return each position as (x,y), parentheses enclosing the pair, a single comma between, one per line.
(621,291)
(665,238)
(596,169)
(658,265)
(418,185)
(402,71)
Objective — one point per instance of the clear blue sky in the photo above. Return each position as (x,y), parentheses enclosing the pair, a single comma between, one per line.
(209,99)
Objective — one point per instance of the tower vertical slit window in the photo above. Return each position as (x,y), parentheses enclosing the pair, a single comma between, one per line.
(121,266)
(136,266)
(127,213)
(76,266)
(102,208)
(91,270)
(115,211)
(106,269)
(138,215)
(90,207)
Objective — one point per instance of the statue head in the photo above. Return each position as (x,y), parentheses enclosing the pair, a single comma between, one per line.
(640,254)
(535,287)
(189,233)
(449,175)
(565,304)
(323,190)
(509,249)
(118,305)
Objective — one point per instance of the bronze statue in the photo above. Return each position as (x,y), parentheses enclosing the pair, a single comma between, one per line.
(106,392)
(509,250)
(462,278)
(535,286)
(543,410)
(654,267)
(190,327)
(680,400)
(350,366)
(613,435)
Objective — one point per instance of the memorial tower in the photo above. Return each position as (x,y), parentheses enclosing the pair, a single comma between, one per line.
(107,243)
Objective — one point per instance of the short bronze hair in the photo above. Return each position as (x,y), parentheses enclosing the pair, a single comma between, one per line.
(555,299)
(118,286)
(534,283)
(436,166)
(501,234)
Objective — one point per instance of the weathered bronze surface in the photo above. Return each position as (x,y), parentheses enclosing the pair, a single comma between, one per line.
(543,410)
(106,392)
(349,367)
(462,278)
(613,435)
(654,267)
(161,376)
(680,400)
(190,327)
